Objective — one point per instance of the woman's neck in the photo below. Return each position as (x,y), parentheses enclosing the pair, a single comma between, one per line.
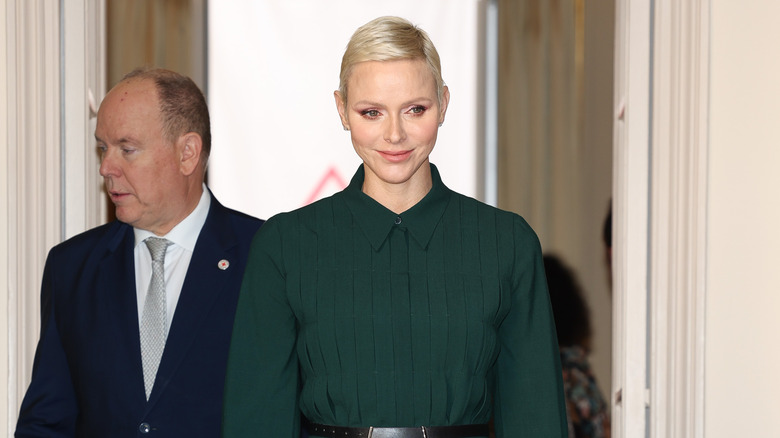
(398,197)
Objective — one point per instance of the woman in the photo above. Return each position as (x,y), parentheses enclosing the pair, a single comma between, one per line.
(395,304)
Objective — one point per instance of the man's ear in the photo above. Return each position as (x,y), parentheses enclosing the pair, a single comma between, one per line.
(190,148)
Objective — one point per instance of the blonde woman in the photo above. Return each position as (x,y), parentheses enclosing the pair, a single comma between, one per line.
(397,307)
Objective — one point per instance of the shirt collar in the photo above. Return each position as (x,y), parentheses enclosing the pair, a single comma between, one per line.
(185,233)
(376,221)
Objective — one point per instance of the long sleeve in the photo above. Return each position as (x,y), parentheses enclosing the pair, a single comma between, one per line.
(529,388)
(49,408)
(261,387)
(353,315)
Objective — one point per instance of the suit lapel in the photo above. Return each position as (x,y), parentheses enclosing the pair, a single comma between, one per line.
(116,279)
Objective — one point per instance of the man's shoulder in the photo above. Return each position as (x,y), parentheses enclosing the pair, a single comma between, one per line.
(107,233)
(86,248)
(244,218)
(240,221)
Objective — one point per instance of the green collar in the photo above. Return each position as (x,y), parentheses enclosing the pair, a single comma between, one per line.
(376,221)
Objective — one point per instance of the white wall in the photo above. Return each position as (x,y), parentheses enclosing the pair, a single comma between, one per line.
(743,279)
(271,76)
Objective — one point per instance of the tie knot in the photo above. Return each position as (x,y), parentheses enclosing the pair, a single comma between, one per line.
(157,247)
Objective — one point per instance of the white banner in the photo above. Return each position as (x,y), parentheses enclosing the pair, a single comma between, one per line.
(272,68)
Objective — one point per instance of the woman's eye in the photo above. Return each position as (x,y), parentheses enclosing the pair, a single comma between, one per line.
(370,113)
(417,109)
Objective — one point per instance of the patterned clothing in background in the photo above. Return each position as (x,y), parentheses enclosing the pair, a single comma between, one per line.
(586,408)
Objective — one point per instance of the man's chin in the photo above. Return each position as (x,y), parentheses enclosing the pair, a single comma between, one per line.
(124,216)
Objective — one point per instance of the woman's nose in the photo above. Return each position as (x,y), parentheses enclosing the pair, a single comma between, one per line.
(394,131)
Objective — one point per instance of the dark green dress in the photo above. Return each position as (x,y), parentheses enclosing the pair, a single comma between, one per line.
(352,315)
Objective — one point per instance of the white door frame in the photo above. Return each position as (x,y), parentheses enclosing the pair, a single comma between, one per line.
(660,189)
(53,62)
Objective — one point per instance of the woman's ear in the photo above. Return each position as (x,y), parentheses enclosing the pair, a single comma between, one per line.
(445,101)
(341,106)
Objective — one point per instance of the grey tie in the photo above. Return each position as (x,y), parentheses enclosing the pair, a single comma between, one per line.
(153,318)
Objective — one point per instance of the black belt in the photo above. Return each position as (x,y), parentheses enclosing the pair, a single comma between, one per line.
(464,431)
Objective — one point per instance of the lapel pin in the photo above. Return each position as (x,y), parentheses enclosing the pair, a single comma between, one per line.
(223,264)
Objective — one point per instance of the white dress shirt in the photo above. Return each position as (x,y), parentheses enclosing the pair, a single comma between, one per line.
(177,257)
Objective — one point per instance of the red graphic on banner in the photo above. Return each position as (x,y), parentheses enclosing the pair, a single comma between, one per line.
(331,179)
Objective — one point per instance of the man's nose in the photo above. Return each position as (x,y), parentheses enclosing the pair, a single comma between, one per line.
(108,167)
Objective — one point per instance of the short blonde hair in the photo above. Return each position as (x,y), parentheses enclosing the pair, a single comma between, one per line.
(388,39)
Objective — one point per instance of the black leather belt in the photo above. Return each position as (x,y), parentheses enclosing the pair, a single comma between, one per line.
(465,431)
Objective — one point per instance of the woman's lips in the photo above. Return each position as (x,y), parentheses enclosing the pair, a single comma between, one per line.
(395,157)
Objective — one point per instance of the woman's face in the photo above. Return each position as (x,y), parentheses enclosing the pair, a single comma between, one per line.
(393,115)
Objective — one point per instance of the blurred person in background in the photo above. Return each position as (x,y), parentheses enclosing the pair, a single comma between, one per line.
(587,410)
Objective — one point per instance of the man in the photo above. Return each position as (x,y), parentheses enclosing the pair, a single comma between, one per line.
(135,343)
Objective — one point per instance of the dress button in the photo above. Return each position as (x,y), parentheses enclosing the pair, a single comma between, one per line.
(398,220)
(144,428)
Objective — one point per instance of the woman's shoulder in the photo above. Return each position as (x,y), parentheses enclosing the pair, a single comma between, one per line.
(505,217)
(507,227)
(306,214)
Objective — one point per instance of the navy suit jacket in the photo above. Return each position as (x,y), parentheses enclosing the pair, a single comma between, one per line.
(87,376)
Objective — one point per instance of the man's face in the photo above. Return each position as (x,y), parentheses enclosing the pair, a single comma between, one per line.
(141,169)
